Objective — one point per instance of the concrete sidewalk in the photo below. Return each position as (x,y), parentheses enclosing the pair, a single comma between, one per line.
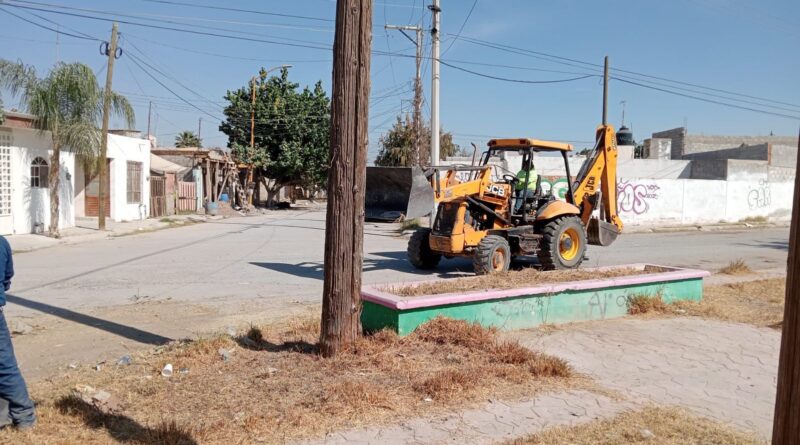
(86,230)
(723,371)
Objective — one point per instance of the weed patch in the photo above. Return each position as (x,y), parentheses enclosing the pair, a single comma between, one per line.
(272,386)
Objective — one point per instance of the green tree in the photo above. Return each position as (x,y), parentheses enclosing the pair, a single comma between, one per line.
(397,145)
(188,139)
(292,130)
(68,104)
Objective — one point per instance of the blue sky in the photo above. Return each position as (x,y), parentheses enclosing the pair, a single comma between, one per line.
(742,46)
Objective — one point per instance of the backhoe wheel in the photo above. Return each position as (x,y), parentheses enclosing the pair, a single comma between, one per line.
(493,255)
(419,250)
(563,243)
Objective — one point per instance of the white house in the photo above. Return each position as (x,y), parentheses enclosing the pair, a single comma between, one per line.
(25,156)
(129,181)
(24,171)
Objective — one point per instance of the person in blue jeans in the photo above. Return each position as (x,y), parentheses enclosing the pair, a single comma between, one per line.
(16,407)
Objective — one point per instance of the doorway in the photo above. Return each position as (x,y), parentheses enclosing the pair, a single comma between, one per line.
(92,193)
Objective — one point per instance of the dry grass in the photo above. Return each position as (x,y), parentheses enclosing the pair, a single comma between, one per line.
(509,280)
(410,224)
(758,302)
(276,388)
(737,267)
(644,304)
(668,426)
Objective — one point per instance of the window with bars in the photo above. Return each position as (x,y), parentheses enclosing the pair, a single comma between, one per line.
(134,182)
(6,141)
(39,172)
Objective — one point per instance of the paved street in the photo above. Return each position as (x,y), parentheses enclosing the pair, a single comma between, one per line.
(180,282)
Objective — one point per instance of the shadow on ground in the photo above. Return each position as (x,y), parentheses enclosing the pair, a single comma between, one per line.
(395,261)
(128,332)
(122,428)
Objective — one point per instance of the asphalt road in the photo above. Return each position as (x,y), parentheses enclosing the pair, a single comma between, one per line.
(277,258)
(101,299)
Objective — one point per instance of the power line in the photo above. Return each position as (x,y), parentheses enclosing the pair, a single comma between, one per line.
(460,30)
(568,61)
(136,61)
(138,16)
(505,79)
(185,18)
(188,31)
(47,27)
(226,56)
(249,11)
(537,54)
(707,100)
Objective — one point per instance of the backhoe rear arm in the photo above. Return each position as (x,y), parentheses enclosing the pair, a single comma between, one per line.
(599,174)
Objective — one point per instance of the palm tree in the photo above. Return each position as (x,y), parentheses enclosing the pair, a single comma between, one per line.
(188,139)
(67,103)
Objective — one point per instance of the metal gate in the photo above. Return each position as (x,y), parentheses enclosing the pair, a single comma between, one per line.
(187,197)
(158,197)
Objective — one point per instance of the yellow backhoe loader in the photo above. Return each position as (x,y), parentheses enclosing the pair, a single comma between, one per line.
(481,218)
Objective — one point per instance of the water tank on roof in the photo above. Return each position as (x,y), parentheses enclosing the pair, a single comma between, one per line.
(625,136)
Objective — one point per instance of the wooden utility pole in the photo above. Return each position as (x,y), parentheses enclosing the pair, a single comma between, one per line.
(786,424)
(344,226)
(111,51)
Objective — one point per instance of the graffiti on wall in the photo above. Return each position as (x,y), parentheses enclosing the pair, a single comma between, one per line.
(759,196)
(558,185)
(636,197)
(631,197)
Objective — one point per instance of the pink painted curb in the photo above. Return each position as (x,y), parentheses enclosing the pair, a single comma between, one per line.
(375,294)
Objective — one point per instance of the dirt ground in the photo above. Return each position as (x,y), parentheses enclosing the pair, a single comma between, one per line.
(271,386)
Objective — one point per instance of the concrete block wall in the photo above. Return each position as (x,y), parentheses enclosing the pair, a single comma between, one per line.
(783,155)
(709,169)
(759,152)
(658,148)
(676,137)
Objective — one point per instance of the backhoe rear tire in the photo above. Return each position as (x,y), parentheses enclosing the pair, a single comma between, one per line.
(492,255)
(419,250)
(563,244)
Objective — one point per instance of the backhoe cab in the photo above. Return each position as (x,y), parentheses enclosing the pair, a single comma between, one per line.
(478,216)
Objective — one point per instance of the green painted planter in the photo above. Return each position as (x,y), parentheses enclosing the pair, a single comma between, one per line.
(530,307)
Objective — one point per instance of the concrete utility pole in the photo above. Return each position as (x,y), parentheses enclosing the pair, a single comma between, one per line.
(415,156)
(199,128)
(786,424)
(149,115)
(344,225)
(605,92)
(111,52)
(437,12)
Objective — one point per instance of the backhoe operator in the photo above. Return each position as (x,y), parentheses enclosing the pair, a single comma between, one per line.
(528,172)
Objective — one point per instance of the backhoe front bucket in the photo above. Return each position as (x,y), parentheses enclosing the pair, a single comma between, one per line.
(601,233)
(395,193)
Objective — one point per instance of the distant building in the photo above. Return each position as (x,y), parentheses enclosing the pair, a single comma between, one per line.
(724,157)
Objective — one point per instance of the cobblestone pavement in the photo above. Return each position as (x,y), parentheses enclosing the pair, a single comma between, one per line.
(720,370)
(496,421)
(725,371)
